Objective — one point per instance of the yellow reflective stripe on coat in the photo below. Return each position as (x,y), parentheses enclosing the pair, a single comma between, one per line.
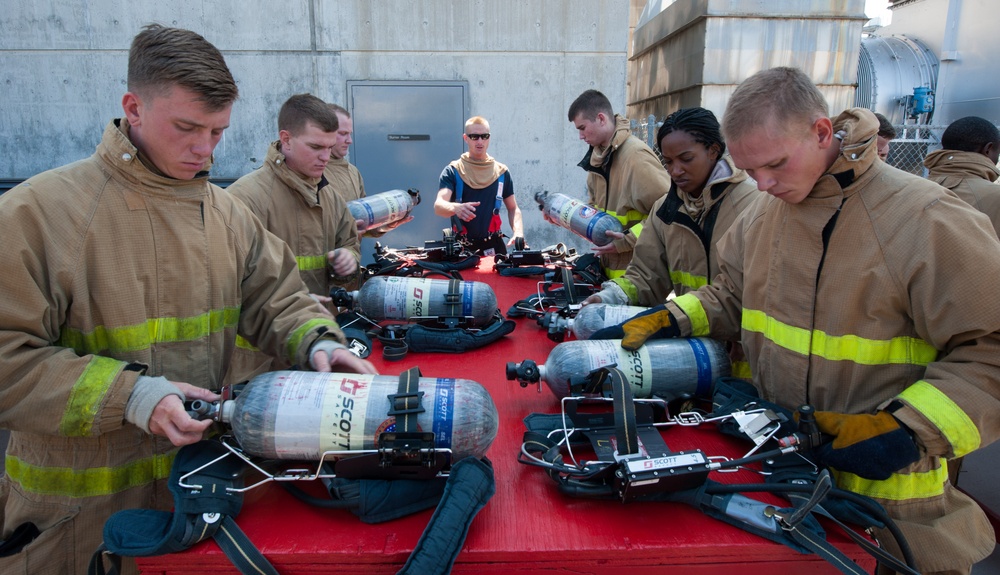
(87,395)
(157,330)
(299,334)
(636,229)
(309,263)
(688,280)
(899,487)
(630,216)
(741,370)
(945,414)
(691,306)
(631,292)
(863,351)
(245,344)
(613,274)
(93,482)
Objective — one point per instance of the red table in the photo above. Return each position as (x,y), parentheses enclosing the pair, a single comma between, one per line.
(528,527)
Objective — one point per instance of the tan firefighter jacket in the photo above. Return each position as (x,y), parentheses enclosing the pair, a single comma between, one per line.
(345,179)
(891,308)
(304,212)
(970,175)
(110,272)
(676,252)
(626,185)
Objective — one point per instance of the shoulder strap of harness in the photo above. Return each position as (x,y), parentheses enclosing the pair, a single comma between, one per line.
(203,507)
(456,223)
(499,199)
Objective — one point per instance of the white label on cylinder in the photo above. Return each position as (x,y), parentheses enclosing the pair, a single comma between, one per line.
(314,416)
(406,297)
(616,314)
(393,204)
(634,364)
(567,209)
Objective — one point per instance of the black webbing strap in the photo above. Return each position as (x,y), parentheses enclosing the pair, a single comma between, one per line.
(453,298)
(395,351)
(621,395)
(883,557)
(405,404)
(240,550)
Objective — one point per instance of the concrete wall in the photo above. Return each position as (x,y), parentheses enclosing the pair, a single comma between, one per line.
(63,69)
(696,53)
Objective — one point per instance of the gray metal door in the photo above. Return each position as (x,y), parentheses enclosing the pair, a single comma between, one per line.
(405,133)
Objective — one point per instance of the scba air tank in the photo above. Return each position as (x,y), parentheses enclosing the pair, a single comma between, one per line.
(664,368)
(589,319)
(583,220)
(303,414)
(385,208)
(408,298)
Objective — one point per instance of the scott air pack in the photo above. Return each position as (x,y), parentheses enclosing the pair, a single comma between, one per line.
(562,289)
(446,257)
(404,472)
(447,302)
(440,315)
(522,261)
(587,320)
(384,208)
(633,463)
(578,217)
(663,368)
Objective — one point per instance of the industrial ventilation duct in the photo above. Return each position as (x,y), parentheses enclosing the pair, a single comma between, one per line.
(897,77)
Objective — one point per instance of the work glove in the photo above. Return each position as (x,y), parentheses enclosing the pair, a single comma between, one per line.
(654,323)
(869,446)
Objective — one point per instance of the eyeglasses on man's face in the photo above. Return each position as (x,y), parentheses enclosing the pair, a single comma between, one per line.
(478,136)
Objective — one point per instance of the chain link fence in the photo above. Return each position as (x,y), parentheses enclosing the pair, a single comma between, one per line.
(912,144)
(907,151)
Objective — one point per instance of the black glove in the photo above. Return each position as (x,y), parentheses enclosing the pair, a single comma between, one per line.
(654,323)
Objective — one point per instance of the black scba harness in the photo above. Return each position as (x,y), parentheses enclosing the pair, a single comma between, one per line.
(634,464)
(406,474)
(566,280)
(445,257)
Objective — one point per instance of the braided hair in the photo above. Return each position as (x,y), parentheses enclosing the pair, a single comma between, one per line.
(700,123)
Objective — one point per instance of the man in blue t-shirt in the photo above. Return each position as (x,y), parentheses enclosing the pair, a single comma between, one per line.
(473,189)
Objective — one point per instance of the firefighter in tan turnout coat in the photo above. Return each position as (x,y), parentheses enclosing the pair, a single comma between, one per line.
(858,289)
(290,195)
(624,177)
(126,278)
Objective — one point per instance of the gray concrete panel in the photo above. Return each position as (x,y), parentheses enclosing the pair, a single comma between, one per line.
(111,24)
(265,81)
(56,106)
(476,26)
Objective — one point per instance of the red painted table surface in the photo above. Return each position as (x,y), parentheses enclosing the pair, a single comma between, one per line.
(528,526)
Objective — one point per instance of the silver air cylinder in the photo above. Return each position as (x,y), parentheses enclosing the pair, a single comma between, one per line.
(597,316)
(581,219)
(414,299)
(378,210)
(664,368)
(302,414)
